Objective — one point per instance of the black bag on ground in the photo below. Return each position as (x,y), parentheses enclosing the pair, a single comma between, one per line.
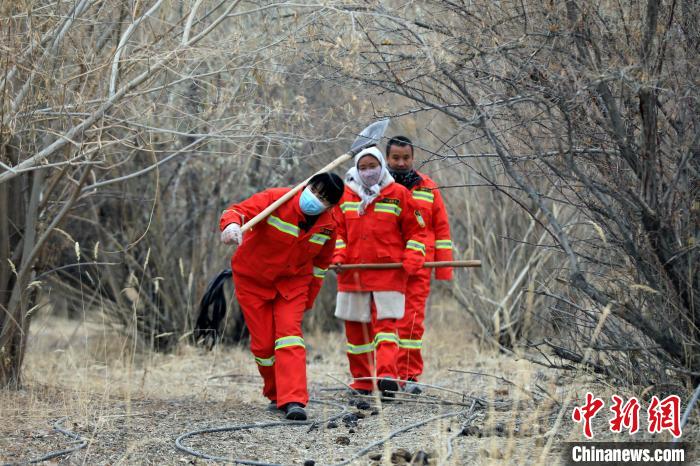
(212,311)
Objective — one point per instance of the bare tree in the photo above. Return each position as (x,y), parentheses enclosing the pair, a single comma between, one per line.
(585,107)
(125,128)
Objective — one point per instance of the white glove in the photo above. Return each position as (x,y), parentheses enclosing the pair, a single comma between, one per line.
(232,234)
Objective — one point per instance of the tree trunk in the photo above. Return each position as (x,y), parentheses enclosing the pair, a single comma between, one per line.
(16,272)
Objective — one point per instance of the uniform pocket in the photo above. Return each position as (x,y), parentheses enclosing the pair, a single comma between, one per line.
(384,250)
(388,239)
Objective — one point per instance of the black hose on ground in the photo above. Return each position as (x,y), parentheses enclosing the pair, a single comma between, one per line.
(186,435)
(355,456)
(82,443)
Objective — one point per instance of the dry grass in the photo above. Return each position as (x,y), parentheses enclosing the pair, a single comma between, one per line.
(132,406)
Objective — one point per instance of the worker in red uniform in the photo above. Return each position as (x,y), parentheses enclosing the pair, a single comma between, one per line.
(380,224)
(438,247)
(277,271)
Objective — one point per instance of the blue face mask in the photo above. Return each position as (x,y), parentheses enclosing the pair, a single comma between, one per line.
(309,203)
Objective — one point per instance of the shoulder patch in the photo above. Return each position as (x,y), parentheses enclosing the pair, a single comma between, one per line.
(424,189)
(419,218)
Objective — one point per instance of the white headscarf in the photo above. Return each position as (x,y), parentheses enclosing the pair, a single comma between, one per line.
(354,181)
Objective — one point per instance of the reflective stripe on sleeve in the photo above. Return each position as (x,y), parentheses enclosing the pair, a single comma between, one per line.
(416,246)
(319,238)
(340,244)
(284,342)
(385,338)
(360,349)
(410,344)
(443,244)
(423,196)
(387,208)
(266,362)
(349,206)
(319,272)
(283,226)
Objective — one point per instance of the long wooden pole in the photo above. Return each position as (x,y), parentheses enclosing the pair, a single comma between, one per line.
(398,265)
(269,209)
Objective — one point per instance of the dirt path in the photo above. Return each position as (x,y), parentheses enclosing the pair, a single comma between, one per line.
(142,431)
(131,410)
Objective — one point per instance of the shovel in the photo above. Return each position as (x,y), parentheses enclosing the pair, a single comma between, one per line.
(369,136)
(208,327)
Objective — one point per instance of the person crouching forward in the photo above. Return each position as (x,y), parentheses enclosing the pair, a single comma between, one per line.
(380,224)
(277,272)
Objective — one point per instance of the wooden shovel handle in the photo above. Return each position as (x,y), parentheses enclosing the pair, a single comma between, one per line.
(271,208)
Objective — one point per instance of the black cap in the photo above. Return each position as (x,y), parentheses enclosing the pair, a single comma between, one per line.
(328,185)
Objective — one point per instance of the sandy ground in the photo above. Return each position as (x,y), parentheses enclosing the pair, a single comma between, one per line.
(130,410)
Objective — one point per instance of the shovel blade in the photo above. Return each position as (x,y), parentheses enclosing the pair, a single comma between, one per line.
(369,136)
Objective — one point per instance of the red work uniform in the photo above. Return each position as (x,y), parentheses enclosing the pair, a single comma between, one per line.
(278,271)
(439,248)
(390,230)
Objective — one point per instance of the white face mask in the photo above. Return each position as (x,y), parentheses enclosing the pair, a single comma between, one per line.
(370,176)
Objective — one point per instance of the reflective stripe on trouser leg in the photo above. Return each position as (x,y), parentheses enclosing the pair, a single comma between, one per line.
(257,312)
(386,344)
(409,362)
(284,342)
(411,344)
(265,362)
(360,351)
(266,369)
(290,351)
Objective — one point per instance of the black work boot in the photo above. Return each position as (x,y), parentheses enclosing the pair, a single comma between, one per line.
(272,407)
(358,399)
(412,387)
(387,386)
(294,411)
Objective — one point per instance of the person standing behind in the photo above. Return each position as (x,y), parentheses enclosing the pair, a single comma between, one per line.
(400,158)
(277,271)
(380,224)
